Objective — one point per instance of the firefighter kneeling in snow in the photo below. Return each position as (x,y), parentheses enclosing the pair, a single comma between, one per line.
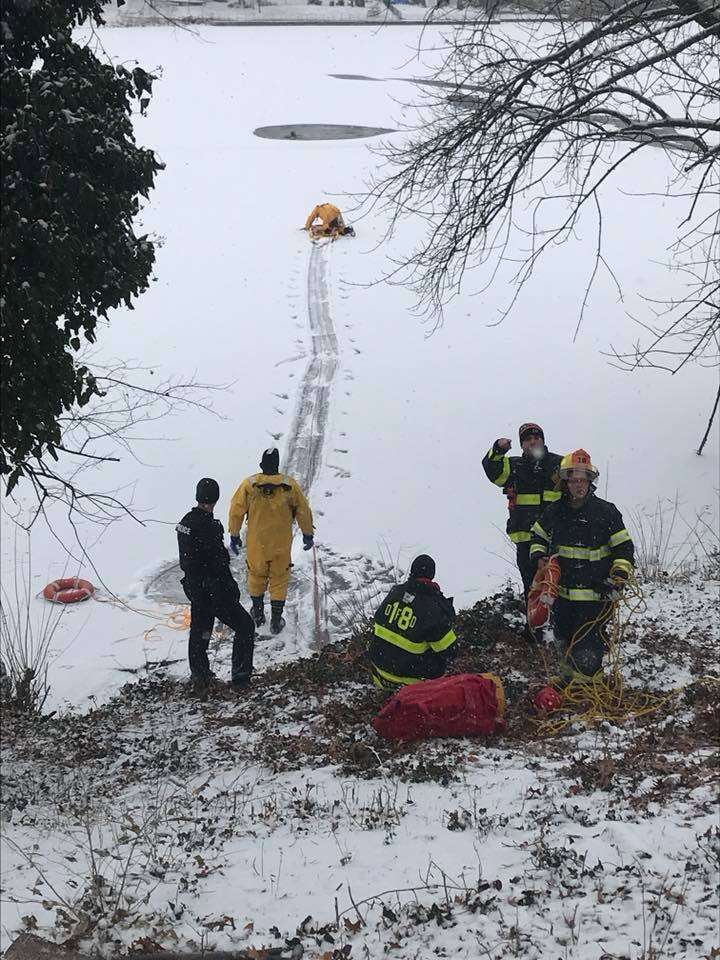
(413,636)
(596,556)
(331,222)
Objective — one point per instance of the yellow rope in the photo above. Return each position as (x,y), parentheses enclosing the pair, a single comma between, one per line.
(592,699)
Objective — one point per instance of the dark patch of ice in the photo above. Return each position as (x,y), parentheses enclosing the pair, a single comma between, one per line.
(355,76)
(318,131)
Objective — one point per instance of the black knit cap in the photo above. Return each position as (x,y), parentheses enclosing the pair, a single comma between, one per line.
(422,566)
(207,491)
(527,428)
(270,462)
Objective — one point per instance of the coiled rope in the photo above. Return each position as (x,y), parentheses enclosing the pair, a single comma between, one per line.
(602,696)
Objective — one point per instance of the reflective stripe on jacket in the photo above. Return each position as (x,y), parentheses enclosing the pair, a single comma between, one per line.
(412,634)
(590,542)
(529,485)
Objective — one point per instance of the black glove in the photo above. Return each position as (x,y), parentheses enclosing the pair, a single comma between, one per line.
(619,576)
(235,544)
(608,591)
(308,541)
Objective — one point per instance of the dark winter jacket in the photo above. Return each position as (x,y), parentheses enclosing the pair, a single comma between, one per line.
(203,557)
(413,636)
(591,542)
(529,485)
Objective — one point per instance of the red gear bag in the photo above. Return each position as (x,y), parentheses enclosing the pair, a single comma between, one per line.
(465,705)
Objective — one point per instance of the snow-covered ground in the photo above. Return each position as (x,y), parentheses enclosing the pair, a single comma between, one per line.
(283,818)
(283,821)
(408,415)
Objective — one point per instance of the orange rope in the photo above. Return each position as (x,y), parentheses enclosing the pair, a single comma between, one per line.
(178,619)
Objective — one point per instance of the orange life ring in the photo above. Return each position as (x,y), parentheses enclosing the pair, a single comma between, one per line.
(542,593)
(68,590)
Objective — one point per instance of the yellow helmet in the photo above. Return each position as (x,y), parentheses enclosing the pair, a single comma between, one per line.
(578,460)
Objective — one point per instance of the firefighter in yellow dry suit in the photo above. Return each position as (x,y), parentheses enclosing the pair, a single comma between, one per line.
(331,225)
(270,501)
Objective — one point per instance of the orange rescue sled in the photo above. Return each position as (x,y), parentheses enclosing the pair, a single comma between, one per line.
(542,594)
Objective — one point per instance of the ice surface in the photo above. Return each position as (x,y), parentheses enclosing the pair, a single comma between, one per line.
(408,415)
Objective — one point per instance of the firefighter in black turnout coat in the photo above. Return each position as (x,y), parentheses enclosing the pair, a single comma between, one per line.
(211,589)
(413,638)
(596,557)
(529,482)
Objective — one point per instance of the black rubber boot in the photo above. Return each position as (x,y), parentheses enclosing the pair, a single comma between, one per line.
(258,611)
(242,661)
(277,621)
(203,683)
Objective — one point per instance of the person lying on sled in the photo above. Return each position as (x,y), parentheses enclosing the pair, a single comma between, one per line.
(331,222)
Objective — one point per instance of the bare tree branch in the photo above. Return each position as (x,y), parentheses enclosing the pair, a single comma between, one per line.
(508,122)
(99,433)
(710,423)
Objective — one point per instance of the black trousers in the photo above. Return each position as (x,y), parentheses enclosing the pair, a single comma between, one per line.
(221,601)
(572,619)
(525,566)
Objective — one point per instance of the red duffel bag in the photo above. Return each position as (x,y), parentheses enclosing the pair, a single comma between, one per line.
(466,705)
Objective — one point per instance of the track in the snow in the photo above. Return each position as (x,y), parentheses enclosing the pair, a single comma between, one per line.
(304,454)
(347,584)
(307,436)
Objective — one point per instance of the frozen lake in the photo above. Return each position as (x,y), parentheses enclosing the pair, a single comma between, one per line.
(240,303)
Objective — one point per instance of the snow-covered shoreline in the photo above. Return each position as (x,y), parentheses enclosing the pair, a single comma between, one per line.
(373,13)
(410,416)
(250,821)
(145,817)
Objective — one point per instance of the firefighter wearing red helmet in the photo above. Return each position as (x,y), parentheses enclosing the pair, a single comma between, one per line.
(530,482)
(595,552)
